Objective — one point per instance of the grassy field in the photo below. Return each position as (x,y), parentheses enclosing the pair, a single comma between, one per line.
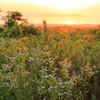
(49,65)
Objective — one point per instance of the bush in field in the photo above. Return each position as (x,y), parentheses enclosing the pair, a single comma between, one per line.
(30,30)
(1,29)
(12,32)
(20,31)
(14,29)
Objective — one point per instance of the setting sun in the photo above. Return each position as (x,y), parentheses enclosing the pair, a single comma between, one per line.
(69,23)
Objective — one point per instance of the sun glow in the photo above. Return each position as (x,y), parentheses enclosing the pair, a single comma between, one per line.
(55,11)
(69,23)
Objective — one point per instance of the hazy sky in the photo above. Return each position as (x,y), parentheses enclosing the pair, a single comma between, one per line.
(55,11)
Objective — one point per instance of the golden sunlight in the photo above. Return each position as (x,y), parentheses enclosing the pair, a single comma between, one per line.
(55,11)
(69,23)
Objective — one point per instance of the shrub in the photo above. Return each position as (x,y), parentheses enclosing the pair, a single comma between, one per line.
(20,31)
(12,32)
(30,29)
(1,29)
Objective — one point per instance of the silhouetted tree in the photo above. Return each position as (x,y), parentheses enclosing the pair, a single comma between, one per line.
(12,18)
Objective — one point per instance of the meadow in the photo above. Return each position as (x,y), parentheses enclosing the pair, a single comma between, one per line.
(49,64)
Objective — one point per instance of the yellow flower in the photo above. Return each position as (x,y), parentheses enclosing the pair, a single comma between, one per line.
(24,47)
(87,67)
(96,71)
(88,63)
(94,66)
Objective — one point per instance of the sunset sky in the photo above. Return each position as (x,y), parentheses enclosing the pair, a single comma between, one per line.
(55,11)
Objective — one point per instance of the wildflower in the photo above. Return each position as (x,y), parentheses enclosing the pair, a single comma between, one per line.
(18,48)
(66,36)
(8,33)
(60,93)
(49,37)
(48,53)
(8,50)
(63,40)
(73,71)
(0,37)
(96,71)
(3,48)
(94,66)
(97,40)
(24,47)
(24,39)
(88,63)
(55,45)
(65,60)
(55,69)
(86,68)
(80,40)
(87,37)
(46,76)
(22,44)
(8,67)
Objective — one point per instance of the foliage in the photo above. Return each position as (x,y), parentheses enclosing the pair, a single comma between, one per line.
(30,30)
(12,18)
(20,31)
(1,29)
(64,67)
(12,32)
